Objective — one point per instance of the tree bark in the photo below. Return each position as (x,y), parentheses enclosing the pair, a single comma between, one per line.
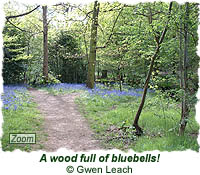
(93,43)
(185,111)
(45,44)
(139,130)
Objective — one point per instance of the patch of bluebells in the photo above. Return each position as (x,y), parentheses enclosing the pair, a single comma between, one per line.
(112,93)
(66,87)
(100,90)
(14,96)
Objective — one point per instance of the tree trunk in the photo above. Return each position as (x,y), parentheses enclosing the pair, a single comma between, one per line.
(93,44)
(27,65)
(98,71)
(104,74)
(185,112)
(159,41)
(181,52)
(135,124)
(181,62)
(45,43)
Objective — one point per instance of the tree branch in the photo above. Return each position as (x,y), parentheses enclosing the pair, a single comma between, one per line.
(23,14)
(165,30)
(16,26)
(112,30)
(112,9)
(32,34)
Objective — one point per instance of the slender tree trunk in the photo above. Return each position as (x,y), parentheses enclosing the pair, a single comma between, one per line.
(45,43)
(185,112)
(98,72)
(28,54)
(181,62)
(93,44)
(159,41)
(181,53)
(86,47)
(135,124)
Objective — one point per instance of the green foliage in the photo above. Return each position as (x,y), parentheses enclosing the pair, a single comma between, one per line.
(129,44)
(39,80)
(15,60)
(65,60)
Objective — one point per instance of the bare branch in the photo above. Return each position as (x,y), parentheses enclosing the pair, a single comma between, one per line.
(32,34)
(112,9)
(166,27)
(16,26)
(23,14)
(112,31)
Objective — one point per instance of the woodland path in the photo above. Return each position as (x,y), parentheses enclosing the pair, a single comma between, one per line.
(63,123)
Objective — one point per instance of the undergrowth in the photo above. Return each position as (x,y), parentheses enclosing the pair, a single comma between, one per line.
(112,118)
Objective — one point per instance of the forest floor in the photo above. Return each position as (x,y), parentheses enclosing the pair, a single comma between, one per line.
(63,124)
(73,117)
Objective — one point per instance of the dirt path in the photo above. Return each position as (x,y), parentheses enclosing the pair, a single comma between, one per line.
(65,126)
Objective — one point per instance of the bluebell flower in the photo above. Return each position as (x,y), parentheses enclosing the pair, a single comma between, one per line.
(13,96)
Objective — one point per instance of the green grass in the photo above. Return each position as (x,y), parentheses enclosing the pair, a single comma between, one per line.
(25,120)
(55,92)
(159,119)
